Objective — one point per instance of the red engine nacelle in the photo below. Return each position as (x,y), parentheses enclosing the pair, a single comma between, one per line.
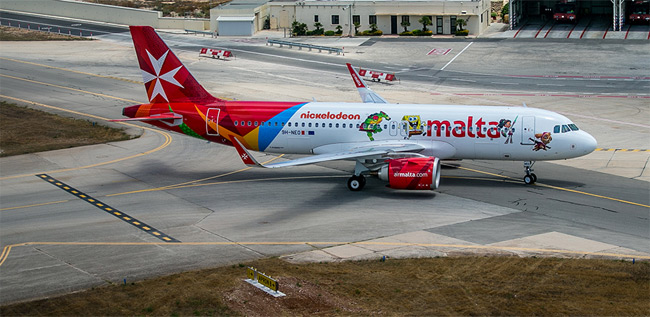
(412,173)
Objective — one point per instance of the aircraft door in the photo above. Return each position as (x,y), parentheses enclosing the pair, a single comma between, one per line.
(392,128)
(527,130)
(212,121)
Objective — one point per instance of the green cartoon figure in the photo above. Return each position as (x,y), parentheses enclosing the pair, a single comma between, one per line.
(372,124)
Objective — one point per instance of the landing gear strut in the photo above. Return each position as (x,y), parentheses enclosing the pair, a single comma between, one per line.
(530,177)
(356,183)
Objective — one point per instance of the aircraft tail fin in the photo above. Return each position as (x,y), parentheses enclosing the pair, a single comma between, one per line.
(165,78)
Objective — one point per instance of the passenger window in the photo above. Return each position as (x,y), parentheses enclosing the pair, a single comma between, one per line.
(236,123)
(330,125)
(303,124)
(316,124)
(269,123)
(242,123)
(344,125)
(276,123)
(337,125)
(283,124)
(289,124)
(255,123)
(556,129)
(249,123)
(310,124)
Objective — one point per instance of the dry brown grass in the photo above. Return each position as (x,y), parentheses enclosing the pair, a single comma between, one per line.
(24,130)
(16,34)
(439,286)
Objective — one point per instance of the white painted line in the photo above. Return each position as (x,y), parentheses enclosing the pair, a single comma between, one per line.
(467,80)
(461,52)
(549,85)
(500,83)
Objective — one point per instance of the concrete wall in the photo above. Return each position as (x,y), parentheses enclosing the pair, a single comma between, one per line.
(103,13)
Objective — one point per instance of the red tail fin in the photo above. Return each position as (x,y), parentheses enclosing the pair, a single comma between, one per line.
(165,78)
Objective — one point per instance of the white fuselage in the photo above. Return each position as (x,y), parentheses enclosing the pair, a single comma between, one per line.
(445,131)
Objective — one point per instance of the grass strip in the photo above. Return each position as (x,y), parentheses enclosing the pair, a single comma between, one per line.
(24,130)
(416,287)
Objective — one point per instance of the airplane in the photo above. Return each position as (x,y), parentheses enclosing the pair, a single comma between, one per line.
(402,144)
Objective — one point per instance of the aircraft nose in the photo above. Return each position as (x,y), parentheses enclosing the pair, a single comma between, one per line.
(588,143)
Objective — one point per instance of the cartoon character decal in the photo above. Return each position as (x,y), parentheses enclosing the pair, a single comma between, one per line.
(507,129)
(372,124)
(413,125)
(541,141)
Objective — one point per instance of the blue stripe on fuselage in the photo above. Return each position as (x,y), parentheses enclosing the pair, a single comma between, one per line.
(268,133)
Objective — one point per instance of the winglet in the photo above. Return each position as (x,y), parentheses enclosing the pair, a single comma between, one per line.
(355,77)
(367,95)
(245,156)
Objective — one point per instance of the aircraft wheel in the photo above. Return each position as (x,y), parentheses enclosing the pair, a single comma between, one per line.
(528,179)
(356,183)
(534,177)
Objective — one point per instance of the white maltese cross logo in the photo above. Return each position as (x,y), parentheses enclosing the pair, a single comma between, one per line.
(168,76)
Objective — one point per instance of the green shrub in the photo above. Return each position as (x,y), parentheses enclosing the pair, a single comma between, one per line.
(426,33)
(372,33)
(416,32)
(330,33)
(407,33)
(462,32)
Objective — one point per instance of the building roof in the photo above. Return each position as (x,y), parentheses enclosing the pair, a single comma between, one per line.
(235,19)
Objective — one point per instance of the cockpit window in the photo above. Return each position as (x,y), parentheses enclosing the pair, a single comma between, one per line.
(573,127)
(565,128)
(556,129)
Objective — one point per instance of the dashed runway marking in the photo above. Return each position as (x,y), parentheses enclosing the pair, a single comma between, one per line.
(108,209)
(621,150)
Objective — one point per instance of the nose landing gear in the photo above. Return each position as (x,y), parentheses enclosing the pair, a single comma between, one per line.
(530,177)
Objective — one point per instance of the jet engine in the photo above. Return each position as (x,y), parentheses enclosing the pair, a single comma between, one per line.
(420,173)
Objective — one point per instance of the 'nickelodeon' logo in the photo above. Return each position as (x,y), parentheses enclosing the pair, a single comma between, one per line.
(329,115)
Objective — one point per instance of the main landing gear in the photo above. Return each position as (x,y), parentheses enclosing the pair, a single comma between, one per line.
(530,177)
(356,183)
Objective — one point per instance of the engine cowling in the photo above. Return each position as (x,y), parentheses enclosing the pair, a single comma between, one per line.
(418,173)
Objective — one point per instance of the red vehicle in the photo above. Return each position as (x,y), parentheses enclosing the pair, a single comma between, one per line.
(640,12)
(566,12)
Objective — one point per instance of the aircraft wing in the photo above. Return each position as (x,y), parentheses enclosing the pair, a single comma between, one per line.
(162,116)
(368,151)
(367,95)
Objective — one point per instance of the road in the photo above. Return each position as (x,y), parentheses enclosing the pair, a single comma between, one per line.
(224,213)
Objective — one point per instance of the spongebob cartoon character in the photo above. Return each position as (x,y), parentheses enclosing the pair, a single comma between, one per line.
(372,124)
(413,124)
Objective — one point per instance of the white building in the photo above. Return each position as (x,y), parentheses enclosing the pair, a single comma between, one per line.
(388,15)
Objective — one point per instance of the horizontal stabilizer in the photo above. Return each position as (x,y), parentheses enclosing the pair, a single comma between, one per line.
(162,116)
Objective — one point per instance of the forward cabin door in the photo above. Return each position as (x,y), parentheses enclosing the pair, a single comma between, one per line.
(527,130)
(212,121)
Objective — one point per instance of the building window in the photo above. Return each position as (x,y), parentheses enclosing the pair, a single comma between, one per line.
(316,18)
(372,19)
(405,18)
(356,19)
(335,19)
(452,21)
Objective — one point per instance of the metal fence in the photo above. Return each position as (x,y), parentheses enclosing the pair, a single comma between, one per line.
(320,48)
